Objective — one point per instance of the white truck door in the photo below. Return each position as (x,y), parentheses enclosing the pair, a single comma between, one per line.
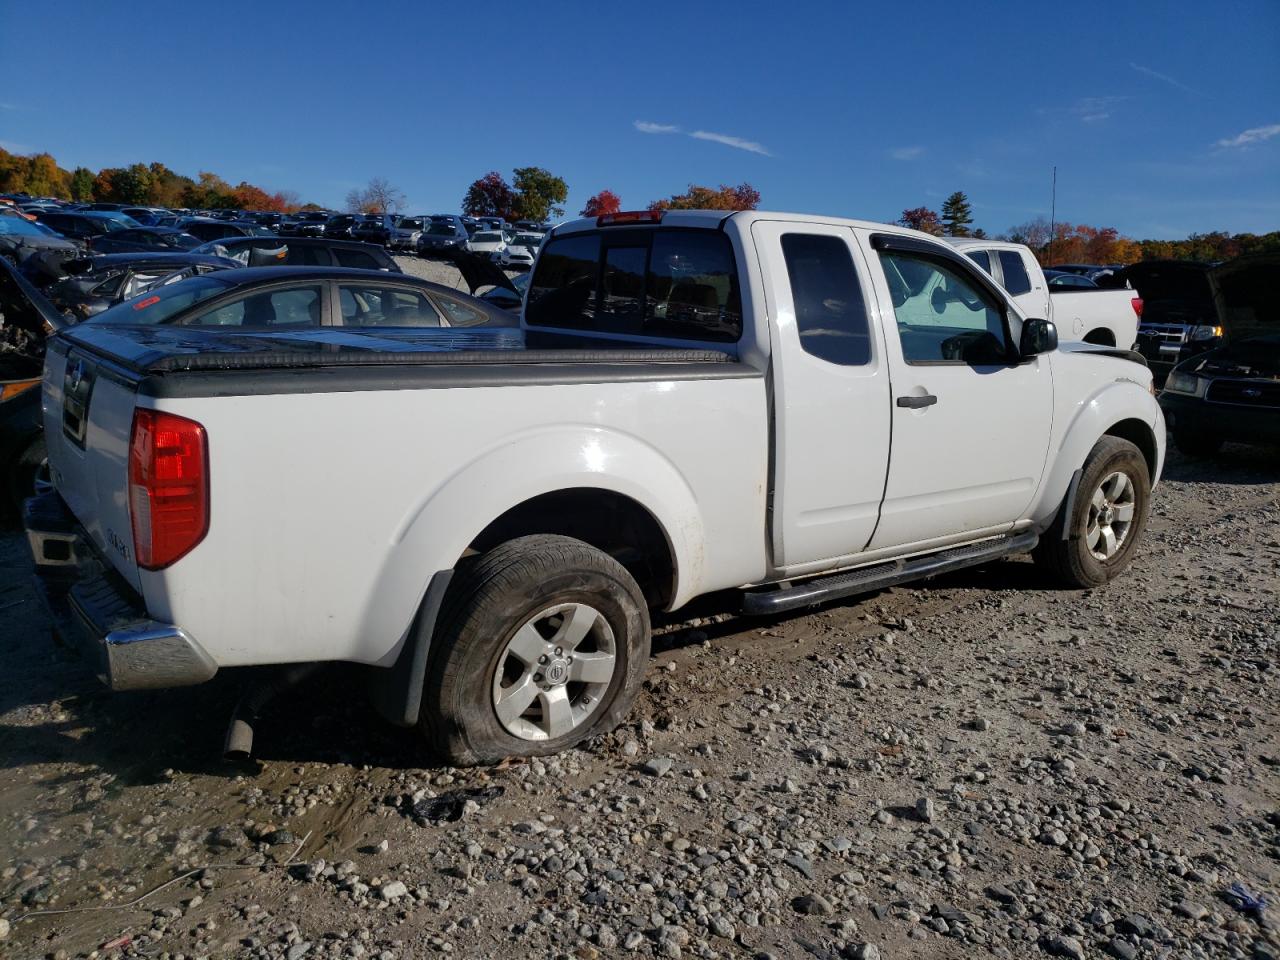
(970,423)
(831,392)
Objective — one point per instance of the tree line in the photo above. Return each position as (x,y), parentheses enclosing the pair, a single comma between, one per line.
(140,184)
(1081,243)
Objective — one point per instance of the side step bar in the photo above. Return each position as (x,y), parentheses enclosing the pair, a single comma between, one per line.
(866,579)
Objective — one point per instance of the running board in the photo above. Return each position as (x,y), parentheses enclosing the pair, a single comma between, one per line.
(882,575)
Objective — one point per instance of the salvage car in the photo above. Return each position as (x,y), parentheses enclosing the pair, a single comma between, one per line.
(487,243)
(1229,391)
(301,252)
(212,229)
(378,228)
(1088,314)
(1180,317)
(145,240)
(406,233)
(703,404)
(442,238)
(85,226)
(92,285)
(20,238)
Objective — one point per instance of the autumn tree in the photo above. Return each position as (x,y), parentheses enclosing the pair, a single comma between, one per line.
(604,202)
(210,193)
(540,194)
(742,197)
(922,218)
(245,196)
(379,196)
(957,215)
(490,196)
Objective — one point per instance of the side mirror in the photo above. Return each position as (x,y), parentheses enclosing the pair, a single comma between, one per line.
(1038,336)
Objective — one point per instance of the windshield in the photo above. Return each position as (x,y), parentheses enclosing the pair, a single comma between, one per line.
(442,230)
(487,238)
(527,239)
(411,223)
(155,307)
(17,227)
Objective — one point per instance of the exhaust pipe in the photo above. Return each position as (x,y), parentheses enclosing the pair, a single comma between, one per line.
(239,743)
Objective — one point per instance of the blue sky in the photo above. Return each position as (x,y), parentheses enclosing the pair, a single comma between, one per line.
(1163,118)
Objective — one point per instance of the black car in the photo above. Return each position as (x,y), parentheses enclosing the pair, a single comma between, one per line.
(442,238)
(309,224)
(145,240)
(377,229)
(300,252)
(340,226)
(1179,316)
(206,230)
(94,284)
(291,298)
(1231,391)
(85,227)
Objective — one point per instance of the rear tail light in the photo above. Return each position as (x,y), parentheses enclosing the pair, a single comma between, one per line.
(1137,306)
(168,487)
(629,216)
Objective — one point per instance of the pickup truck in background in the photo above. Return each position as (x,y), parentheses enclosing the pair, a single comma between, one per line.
(704,402)
(1103,316)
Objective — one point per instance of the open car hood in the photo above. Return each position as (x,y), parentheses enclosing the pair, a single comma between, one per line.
(478,271)
(1252,357)
(24,307)
(1247,296)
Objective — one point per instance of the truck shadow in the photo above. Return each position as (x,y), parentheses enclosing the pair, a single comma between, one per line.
(1235,464)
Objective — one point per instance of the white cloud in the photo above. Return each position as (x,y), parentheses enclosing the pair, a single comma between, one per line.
(1252,135)
(906,153)
(736,142)
(644,126)
(1162,77)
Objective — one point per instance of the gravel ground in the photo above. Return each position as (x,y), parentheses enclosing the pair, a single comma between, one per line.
(441,271)
(976,767)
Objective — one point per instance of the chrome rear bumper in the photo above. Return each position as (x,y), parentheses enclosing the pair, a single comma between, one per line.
(95,611)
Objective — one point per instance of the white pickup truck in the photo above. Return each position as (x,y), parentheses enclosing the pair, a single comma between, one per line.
(1106,317)
(793,408)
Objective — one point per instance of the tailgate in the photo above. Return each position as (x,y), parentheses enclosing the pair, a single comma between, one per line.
(88,416)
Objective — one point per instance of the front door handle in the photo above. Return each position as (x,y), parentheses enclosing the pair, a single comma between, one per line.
(915,403)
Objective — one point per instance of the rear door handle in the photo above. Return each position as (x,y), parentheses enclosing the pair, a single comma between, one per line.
(915,403)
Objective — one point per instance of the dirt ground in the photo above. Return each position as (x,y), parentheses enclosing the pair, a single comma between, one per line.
(980,766)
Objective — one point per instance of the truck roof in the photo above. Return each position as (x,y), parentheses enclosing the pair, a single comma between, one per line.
(712,219)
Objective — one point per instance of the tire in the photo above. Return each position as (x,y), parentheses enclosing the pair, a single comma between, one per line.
(526,598)
(1085,558)
(31,464)
(1196,444)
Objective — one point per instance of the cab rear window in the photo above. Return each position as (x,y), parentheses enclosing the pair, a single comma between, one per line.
(678,284)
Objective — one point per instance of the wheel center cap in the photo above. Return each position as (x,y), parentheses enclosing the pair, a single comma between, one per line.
(556,671)
(1106,516)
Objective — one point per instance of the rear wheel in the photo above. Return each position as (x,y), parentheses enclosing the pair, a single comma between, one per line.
(1113,500)
(543,643)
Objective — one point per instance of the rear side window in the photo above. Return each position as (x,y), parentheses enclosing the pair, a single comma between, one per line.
(677,284)
(831,315)
(981,258)
(291,307)
(459,314)
(1016,280)
(305,255)
(356,258)
(372,306)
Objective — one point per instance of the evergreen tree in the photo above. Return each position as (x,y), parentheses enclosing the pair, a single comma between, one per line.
(957,215)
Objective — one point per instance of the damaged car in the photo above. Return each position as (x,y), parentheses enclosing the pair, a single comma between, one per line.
(93,284)
(20,238)
(1230,391)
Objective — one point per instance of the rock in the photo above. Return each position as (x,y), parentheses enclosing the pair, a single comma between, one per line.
(1122,949)
(814,905)
(657,767)
(925,809)
(800,864)
(228,836)
(630,749)
(1053,838)
(1066,947)
(1001,894)
(392,890)
(298,950)
(861,951)
(721,927)
(1135,924)
(1191,909)
(4,928)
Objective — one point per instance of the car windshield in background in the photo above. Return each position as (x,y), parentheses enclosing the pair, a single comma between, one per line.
(158,305)
(527,239)
(411,223)
(18,227)
(487,237)
(442,229)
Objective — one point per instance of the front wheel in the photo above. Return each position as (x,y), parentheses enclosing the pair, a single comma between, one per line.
(543,643)
(1113,500)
